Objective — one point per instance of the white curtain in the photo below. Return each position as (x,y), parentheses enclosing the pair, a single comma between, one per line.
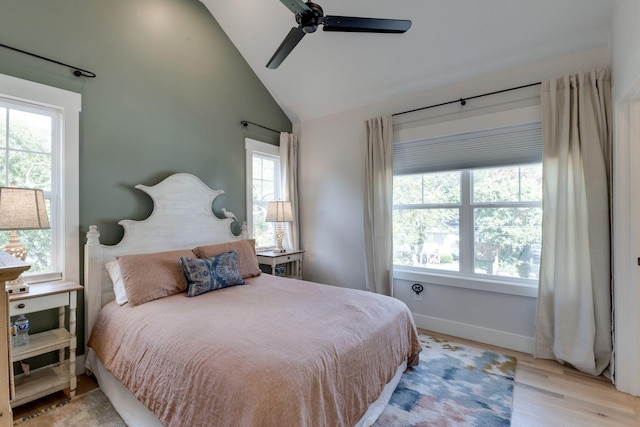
(289,174)
(378,204)
(573,318)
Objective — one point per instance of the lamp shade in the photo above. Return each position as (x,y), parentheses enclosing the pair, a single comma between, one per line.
(279,212)
(22,209)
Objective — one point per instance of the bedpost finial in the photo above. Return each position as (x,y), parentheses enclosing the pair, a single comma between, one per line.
(244,230)
(93,235)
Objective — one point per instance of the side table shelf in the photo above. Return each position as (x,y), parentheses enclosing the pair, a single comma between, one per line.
(57,376)
(43,342)
(40,382)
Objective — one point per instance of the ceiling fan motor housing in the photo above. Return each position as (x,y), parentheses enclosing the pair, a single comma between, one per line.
(310,19)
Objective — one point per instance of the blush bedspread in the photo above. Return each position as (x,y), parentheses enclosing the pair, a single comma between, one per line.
(274,352)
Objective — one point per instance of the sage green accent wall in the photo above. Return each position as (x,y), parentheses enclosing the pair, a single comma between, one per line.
(169,95)
(170,92)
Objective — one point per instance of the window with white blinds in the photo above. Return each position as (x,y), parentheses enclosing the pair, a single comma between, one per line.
(470,204)
(503,146)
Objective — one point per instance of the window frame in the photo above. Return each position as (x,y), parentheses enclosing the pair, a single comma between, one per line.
(466,232)
(262,149)
(65,218)
(50,195)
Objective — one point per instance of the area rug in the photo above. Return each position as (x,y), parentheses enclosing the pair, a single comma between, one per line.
(88,410)
(454,385)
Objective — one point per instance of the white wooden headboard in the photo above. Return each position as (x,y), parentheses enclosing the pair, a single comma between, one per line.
(182,218)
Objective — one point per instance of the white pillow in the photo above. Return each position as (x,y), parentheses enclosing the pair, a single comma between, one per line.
(118,284)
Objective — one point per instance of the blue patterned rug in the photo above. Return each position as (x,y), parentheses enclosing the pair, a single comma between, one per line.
(454,385)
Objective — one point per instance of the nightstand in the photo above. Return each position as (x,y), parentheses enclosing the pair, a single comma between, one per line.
(58,376)
(290,261)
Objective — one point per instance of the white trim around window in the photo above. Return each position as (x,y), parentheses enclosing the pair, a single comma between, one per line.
(68,104)
(252,146)
(499,284)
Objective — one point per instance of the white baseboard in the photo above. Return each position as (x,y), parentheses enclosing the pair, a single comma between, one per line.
(475,333)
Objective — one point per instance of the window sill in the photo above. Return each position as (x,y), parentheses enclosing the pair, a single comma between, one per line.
(467,282)
(42,277)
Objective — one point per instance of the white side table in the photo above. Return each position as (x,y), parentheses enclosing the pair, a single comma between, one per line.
(290,260)
(58,376)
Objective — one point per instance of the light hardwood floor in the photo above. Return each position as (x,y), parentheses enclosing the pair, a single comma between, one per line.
(546,394)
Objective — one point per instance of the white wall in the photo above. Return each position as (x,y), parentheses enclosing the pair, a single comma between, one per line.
(625,48)
(331,162)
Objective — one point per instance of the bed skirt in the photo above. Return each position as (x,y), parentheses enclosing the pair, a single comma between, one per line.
(135,414)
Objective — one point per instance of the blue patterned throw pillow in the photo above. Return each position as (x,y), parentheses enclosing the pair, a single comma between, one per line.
(208,274)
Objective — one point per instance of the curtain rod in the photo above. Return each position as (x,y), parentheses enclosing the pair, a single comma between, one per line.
(76,71)
(246,123)
(463,101)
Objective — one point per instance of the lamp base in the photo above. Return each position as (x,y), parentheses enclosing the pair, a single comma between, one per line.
(279,236)
(17,249)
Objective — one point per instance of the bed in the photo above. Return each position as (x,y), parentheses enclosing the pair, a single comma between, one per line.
(246,349)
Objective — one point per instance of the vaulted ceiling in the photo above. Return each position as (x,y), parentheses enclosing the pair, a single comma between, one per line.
(449,41)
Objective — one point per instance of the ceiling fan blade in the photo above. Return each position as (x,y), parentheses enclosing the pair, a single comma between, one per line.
(285,48)
(365,25)
(296,6)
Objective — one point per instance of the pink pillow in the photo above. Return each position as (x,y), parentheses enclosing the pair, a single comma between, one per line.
(246,249)
(151,276)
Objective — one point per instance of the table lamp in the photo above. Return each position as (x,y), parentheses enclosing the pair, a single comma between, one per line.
(279,212)
(21,209)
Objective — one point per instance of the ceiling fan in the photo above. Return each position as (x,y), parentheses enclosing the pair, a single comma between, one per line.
(309,15)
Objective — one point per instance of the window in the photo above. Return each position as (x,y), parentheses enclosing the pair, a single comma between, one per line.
(481,219)
(263,186)
(507,221)
(28,137)
(39,149)
(426,220)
